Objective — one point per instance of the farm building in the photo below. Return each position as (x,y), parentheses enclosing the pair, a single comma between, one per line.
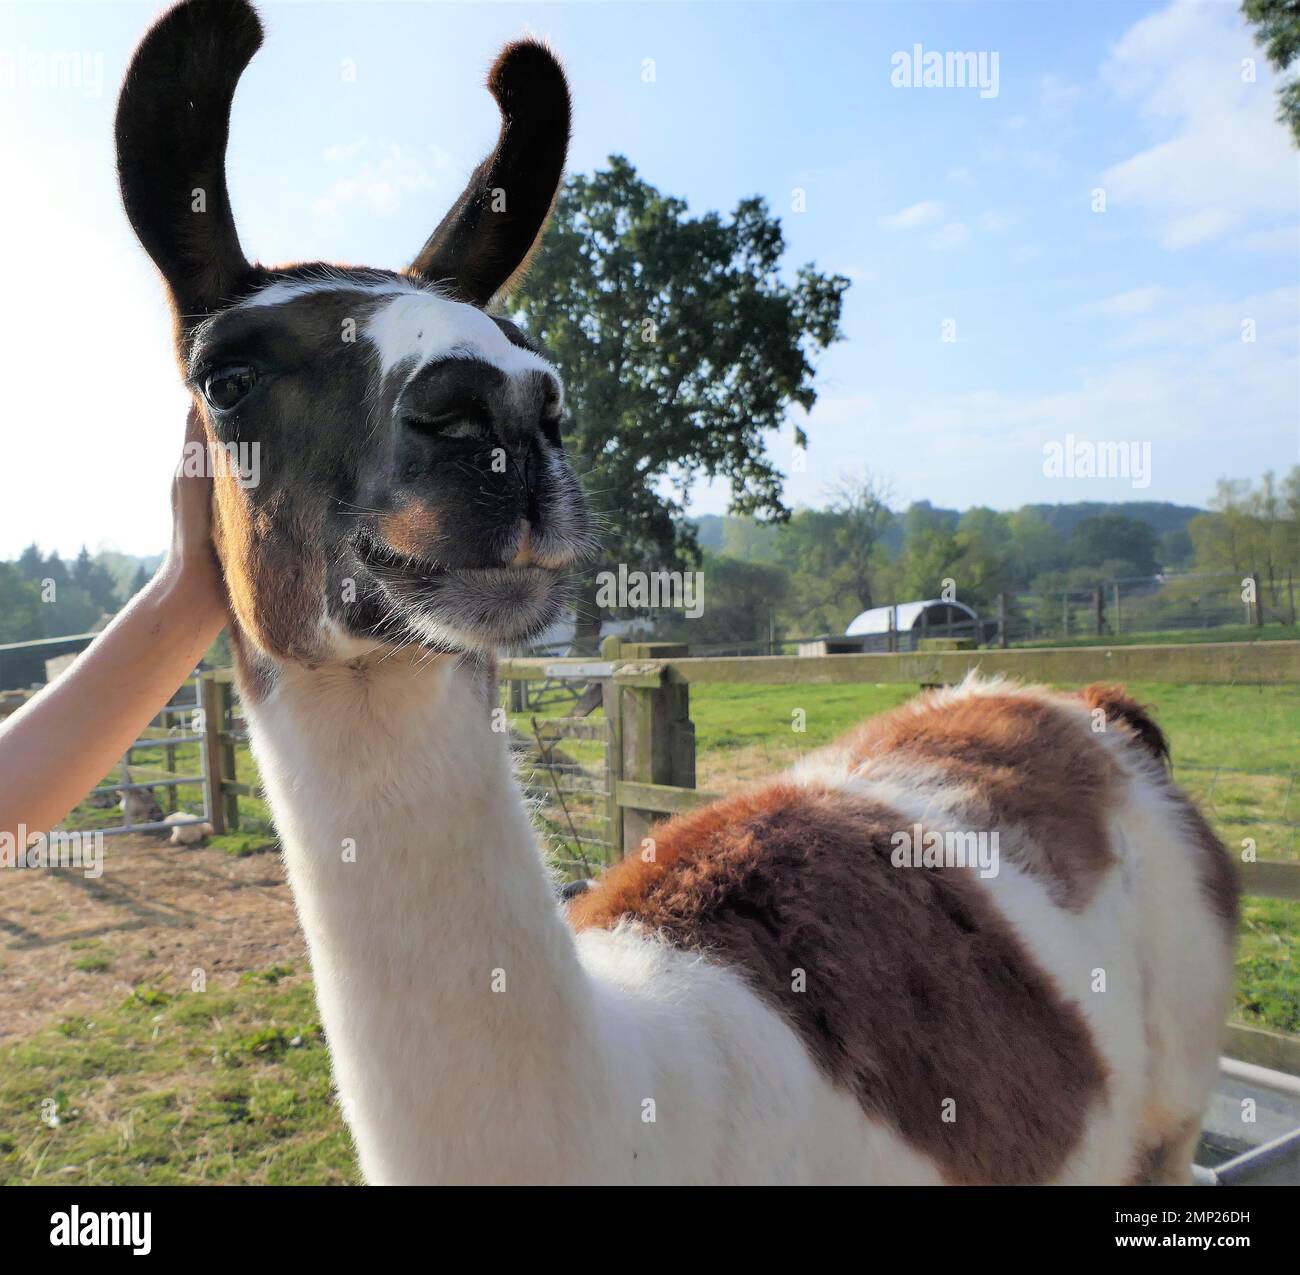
(931,617)
(910,622)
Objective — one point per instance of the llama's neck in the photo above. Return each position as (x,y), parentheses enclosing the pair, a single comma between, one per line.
(449,989)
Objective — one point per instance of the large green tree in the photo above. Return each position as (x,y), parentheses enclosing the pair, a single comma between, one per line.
(1278,23)
(862,503)
(1112,539)
(683,345)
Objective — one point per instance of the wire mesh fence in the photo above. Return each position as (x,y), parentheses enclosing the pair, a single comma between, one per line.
(564,768)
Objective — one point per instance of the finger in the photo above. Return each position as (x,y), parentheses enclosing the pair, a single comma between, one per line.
(193,425)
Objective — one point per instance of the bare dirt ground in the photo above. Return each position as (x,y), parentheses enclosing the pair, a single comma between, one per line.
(156,914)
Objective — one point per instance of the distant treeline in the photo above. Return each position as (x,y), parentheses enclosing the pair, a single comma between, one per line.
(42,596)
(817,571)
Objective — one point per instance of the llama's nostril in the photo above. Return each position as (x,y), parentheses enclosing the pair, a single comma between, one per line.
(533,465)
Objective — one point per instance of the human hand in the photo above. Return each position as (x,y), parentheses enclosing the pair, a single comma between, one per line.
(191,569)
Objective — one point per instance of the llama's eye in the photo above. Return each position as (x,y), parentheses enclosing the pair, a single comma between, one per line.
(227,385)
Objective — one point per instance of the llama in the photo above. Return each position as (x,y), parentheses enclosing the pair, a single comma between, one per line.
(138,805)
(778,993)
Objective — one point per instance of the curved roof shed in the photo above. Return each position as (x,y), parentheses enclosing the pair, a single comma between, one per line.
(936,611)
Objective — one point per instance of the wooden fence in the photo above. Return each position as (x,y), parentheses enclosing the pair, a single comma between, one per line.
(651,758)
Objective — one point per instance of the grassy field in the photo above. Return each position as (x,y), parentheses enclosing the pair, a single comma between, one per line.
(166,1085)
(1180,637)
(1235,748)
(174,1088)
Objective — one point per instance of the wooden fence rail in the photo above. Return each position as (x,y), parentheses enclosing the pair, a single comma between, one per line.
(647,701)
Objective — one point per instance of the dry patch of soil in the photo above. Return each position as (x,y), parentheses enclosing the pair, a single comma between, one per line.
(70,945)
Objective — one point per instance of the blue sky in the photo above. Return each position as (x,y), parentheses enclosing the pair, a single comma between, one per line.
(939,203)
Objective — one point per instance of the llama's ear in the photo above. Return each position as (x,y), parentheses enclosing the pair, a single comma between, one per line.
(173,119)
(485,241)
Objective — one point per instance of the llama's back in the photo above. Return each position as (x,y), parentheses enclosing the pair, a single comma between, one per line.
(1048,1012)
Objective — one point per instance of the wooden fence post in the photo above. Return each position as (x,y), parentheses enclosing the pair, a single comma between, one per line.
(611,700)
(656,745)
(1119,615)
(172,799)
(226,703)
(216,699)
(1257,603)
(1002,620)
(210,700)
(1099,607)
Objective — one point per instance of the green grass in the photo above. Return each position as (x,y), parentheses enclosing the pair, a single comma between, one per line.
(1236,748)
(93,963)
(1166,637)
(226,1087)
(1268,955)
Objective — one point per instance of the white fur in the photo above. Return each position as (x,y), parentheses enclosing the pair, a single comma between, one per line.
(285,291)
(420,326)
(414,322)
(444,1079)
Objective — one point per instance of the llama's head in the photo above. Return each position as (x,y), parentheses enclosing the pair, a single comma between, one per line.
(408,483)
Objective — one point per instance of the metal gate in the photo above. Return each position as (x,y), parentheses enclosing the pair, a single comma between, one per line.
(173,737)
(564,767)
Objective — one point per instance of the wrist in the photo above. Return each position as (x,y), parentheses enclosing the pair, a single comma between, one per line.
(192,590)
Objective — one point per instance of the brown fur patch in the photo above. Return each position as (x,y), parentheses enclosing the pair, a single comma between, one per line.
(1168,1162)
(273,570)
(917,991)
(1219,883)
(1128,713)
(413,529)
(1029,767)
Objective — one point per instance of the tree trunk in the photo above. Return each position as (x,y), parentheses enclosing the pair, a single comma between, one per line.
(588,616)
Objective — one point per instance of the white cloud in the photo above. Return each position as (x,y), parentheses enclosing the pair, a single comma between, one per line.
(1275,240)
(1123,305)
(382,173)
(1206,412)
(915,216)
(1177,374)
(345,151)
(1221,158)
(1196,228)
(1187,321)
(1056,93)
(953,235)
(837,410)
